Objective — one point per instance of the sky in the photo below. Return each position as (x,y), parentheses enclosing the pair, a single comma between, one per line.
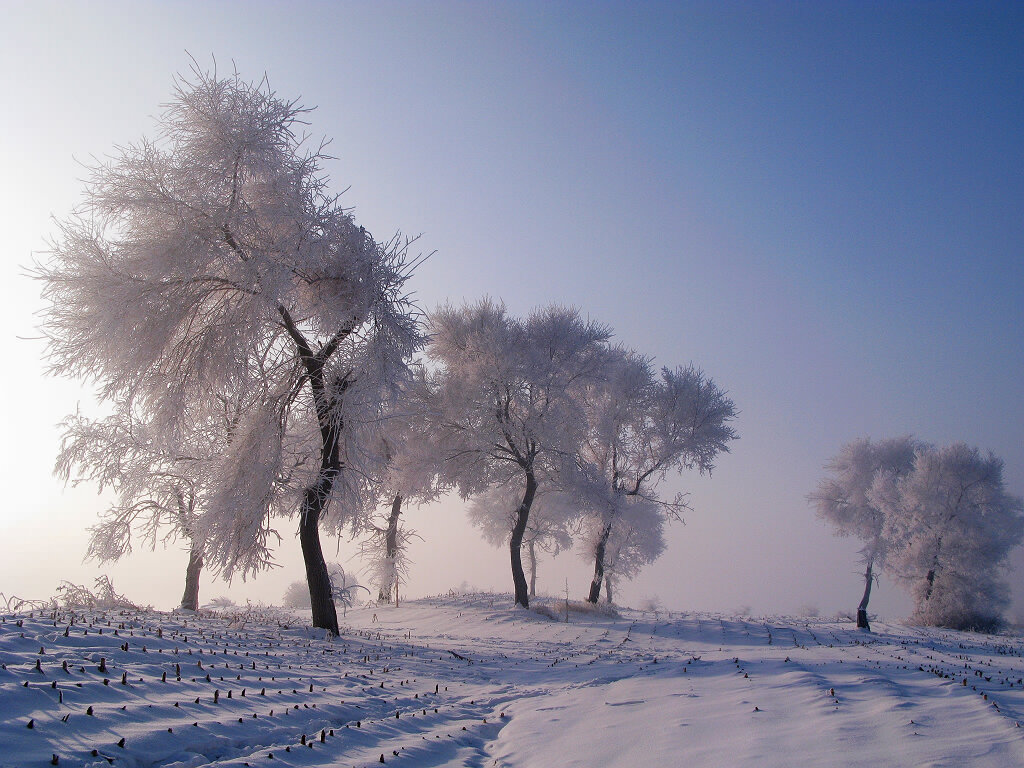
(820,204)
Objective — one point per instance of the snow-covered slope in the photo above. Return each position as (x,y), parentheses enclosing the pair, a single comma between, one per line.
(470,681)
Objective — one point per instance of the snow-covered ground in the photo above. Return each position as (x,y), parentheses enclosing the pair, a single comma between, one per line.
(470,681)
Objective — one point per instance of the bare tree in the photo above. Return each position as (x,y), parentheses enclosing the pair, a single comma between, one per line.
(213,259)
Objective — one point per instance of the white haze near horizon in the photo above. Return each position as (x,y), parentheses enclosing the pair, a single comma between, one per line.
(753,191)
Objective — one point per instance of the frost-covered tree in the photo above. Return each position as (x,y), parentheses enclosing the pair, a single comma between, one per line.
(951,527)
(549,528)
(385,547)
(157,490)
(842,499)
(636,539)
(406,476)
(160,489)
(640,428)
(505,401)
(212,259)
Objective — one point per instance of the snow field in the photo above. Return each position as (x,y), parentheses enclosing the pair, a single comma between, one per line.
(471,681)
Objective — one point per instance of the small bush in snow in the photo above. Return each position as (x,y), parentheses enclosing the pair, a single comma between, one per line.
(221,603)
(545,611)
(15,604)
(651,604)
(296,596)
(593,609)
(102,595)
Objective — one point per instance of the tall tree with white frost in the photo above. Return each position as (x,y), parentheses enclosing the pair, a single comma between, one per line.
(505,401)
(212,260)
(951,526)
(842,499)
(640,428)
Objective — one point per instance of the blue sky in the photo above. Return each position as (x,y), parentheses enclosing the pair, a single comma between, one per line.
(819,203)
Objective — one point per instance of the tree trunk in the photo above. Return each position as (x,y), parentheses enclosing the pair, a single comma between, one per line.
(515,545)
(608,589)
(931,572)
(321,602)
(595,584)
(314,504)
(391,551)
(190,599)
(531,550)
(384,593)
(315,497)
(862,609)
